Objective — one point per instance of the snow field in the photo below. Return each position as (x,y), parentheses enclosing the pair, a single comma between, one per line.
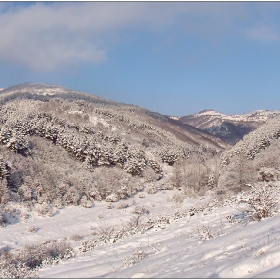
(181,251)
(202,244)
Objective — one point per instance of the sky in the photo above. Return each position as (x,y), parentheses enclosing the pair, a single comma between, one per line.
(174,58)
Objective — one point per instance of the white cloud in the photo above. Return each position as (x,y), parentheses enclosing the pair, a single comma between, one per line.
(49,36)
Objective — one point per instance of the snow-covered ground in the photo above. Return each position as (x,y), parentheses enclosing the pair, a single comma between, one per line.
(212,241)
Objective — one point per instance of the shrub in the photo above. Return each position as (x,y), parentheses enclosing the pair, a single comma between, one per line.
(122,205)
(34,255)
(72,196)
(112,197)
(26,193)
(178,197)
(268,174)
(136,257)
(151,188)
(110,206)
(262,200)
(212,181)
(152,174)
(141,195)
(139,210)
(44,209)
(32,229)
(3,219)
(85,202)
(123,192)
(17,270)
(205,232)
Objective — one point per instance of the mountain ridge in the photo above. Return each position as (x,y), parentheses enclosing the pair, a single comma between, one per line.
(229,128)
(48,91)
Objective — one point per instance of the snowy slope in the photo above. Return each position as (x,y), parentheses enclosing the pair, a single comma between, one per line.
(183,250)
(215,240)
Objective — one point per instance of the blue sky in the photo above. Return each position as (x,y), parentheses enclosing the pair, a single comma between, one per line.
(175,58)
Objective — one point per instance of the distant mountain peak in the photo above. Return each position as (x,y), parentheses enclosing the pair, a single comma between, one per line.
(230,128)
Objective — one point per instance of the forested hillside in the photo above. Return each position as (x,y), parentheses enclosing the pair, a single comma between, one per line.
(61,147)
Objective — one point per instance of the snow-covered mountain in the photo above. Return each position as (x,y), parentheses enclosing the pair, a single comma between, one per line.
(40,89)
(94,149)
(22,90)
(45,92)
(92,188)
(230,128)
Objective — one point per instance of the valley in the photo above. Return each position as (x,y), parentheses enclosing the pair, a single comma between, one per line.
(95,188)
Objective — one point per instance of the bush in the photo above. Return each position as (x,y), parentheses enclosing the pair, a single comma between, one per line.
(34,255)
(267,174)
(136,257)
(140,210)
(85,202)
(32,229)
(178,197)
(112,198)
(16,270)
(9,268)
(3,219)
(141,195)
(44,209)
(122,205)
(262,200)
(24,263)
(151,189)
(110,206)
